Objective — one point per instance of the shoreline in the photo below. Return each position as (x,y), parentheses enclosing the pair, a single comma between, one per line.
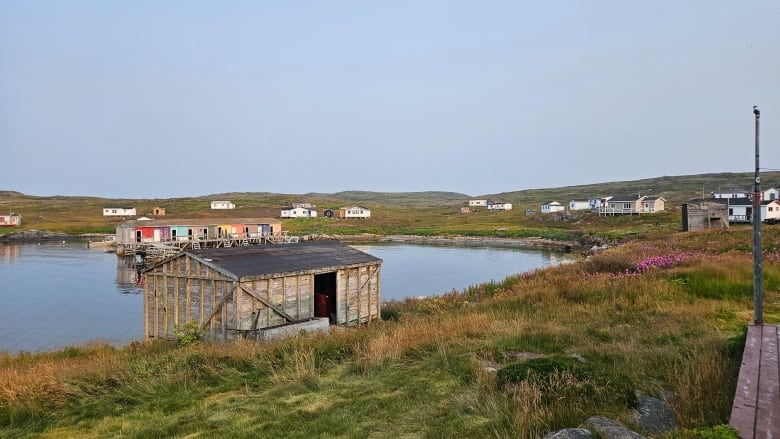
(534,243)
(528,243)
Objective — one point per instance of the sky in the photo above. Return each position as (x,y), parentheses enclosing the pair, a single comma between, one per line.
(163,99)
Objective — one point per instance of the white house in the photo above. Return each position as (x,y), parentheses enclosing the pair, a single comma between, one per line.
(731,193)
(596,203)
(653,204)
(354,212)
(478,203)
(499,205)
(741,210)
(623,205)
(579,204)
(772,194)
(215,205)
(119,211)
(552,206)
(12,219)
(298,212)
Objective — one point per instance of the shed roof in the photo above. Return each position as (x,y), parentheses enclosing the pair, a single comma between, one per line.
(262,260)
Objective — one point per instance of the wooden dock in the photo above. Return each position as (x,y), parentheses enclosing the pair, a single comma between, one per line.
(756,410)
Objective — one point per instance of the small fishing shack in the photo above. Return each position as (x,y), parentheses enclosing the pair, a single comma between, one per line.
(258,291)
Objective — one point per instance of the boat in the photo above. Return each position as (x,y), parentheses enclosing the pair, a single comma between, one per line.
(108,243)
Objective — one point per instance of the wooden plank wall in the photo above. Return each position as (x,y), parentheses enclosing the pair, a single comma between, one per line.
(358,294)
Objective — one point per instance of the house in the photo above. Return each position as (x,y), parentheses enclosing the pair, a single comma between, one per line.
(119,211)
(216,205)
(705,214)
(579,204)
(552,206)
(353,212)
(623,205)
(261,292)
(597,202)
(298,212)
(772,194)
(328,213)
(741,210)
(731,193)
(478,203)
(158,211)
(499,205)
(129,233)
(653,204)
(11,220)
(464,209)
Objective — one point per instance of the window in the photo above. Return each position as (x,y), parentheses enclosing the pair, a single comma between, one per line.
(626,205)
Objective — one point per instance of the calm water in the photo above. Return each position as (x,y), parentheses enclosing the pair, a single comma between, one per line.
(55,295)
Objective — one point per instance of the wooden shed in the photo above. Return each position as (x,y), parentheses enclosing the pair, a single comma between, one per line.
(705,214)
(241,292)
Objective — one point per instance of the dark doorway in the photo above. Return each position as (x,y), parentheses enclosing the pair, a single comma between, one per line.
(325,296)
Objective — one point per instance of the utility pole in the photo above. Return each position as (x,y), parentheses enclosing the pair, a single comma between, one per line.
(757,278)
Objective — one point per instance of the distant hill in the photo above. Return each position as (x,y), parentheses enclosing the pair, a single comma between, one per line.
(415,199)
(676,190)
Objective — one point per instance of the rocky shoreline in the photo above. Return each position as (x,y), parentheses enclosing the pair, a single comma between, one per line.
(584,246)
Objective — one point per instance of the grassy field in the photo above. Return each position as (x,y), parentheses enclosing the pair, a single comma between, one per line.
(661,314)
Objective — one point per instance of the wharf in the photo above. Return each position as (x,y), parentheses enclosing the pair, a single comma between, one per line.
(756,409)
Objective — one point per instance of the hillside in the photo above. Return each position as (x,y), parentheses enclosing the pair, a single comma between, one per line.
(415,213)
(676,189)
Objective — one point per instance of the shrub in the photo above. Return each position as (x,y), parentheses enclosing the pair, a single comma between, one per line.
(187,333)
(589,382)
(608,263)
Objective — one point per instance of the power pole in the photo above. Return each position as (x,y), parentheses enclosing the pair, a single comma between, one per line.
(757,278)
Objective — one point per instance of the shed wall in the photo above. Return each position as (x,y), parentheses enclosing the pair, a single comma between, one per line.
(184,290)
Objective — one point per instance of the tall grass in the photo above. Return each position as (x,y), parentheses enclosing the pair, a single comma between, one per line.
(430,371)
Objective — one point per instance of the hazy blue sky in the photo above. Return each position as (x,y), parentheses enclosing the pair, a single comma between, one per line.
(176,98)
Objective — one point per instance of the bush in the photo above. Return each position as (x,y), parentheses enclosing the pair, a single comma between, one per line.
(188,333)
(591,383)
(608,263)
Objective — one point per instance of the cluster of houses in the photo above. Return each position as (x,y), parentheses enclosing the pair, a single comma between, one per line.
(611,205)
(731,206)
(297,210)
(307,210)
(619,205)
(491,205)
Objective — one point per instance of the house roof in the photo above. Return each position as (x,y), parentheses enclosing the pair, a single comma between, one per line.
(625,198)
(552,203)
(262,260)
(654,198)
(201,221)
(744,201)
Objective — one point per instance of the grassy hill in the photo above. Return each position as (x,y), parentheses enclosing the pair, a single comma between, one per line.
(675,189)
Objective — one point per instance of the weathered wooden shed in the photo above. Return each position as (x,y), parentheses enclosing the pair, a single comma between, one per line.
(705,214)
(243,291)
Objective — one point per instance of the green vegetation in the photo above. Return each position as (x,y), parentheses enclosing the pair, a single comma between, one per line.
(637,316)
(411,213)
(664,312)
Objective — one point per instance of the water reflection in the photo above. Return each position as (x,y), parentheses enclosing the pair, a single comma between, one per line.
(127,281)
(9,252)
